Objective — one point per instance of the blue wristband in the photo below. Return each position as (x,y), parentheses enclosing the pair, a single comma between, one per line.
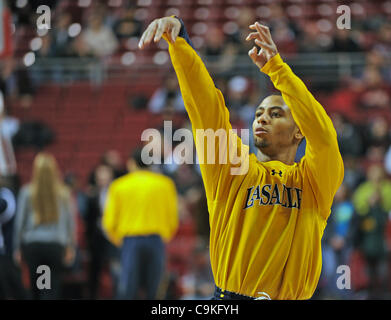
(183,33)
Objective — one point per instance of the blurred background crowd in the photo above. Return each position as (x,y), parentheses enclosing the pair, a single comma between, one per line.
(82,92)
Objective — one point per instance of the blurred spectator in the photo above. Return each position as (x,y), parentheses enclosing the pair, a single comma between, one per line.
(218,52)
(7,45)
(128,25)
(113,159)
(44,226)
(101,251)
(336,243)
(238,93)
(24,90)
(310,42)
(141,224)
(247,111)
(374,154)
(11,286)
(80,49)
(284,30)
(343,99)
(245,18)
(79,199)
(383,43)
(45,49)
(285,37)
(349,138)
(60,39)
(186,179)
(377,136)
(34,134)
(376,182)
(374,93)
(99,38)
(7,211)
(372,202)
(72,180)
(9,126)
(168,94)
(387,161)
(378,60)
(102,9)
(198,283)
(354,174)
(343,41)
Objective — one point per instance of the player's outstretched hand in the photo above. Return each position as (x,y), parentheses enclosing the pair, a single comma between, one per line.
(263,39)
(169,25)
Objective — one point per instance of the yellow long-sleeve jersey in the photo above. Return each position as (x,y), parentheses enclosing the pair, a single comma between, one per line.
(141,203)
(267,224)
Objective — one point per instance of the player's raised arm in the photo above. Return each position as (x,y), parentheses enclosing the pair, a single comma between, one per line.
(322,153)
(203,101)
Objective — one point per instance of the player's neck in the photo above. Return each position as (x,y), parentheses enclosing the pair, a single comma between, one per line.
(286,156)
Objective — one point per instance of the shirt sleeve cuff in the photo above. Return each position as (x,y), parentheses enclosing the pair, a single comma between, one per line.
(183,32)
(272,64)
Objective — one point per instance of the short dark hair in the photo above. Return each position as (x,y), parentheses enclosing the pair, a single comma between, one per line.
(274,93)
(136,155)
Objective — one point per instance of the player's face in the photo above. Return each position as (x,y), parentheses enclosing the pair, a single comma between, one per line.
(273,126)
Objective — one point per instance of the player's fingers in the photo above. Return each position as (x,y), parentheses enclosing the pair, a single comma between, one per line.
(141,42)
(253,35)
(174,33)
(161,28)
(255,24)
(147,35)
(253,53)
(264,31)
(150,32)
(264,45)
(261,34)
(142,39)
(267,30)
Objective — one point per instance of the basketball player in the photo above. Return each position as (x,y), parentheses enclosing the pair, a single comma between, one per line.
(267,224)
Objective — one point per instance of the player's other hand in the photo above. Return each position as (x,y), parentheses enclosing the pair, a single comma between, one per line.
(169,25)
(263,39)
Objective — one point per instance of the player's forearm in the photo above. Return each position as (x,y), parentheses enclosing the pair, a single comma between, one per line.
(204,103)
(307,112)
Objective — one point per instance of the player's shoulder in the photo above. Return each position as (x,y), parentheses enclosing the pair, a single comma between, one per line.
(118,182)
(145,175)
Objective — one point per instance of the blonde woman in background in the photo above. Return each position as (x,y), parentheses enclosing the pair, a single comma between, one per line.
(44,226)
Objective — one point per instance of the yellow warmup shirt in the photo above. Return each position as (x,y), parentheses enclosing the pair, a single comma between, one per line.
(141,203)
(266,224)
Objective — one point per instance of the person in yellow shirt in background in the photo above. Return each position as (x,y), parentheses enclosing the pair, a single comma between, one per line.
(266,223)
(140,216)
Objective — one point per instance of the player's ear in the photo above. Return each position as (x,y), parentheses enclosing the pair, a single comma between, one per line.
(298,135)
